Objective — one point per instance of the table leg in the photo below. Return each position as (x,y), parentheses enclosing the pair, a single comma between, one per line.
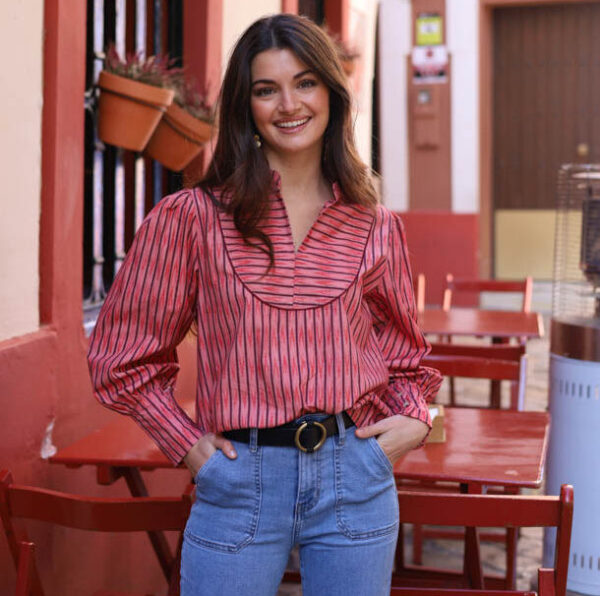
(472,567)
(137,488)
(495,391)
(399,556)
(512,535)
(495,395)
(175,581)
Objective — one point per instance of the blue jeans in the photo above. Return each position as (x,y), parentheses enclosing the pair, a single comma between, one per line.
(338,504)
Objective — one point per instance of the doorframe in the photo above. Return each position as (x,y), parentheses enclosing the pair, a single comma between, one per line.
(486,118)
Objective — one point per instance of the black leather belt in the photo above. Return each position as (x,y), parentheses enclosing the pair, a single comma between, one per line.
(306,435)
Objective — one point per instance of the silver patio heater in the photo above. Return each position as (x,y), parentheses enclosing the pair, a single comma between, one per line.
(574,448)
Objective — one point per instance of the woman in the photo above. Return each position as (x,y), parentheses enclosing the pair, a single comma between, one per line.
(309,384)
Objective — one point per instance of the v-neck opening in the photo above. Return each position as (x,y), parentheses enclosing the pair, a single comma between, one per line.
(324,206)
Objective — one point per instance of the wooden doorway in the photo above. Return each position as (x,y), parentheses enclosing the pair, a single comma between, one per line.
(546,99)
(540,80)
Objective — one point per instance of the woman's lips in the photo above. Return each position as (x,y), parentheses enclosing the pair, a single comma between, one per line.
(288,126)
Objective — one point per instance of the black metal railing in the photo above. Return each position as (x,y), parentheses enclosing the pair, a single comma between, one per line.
(120,186)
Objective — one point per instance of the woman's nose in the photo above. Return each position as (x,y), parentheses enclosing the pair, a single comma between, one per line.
(289,101)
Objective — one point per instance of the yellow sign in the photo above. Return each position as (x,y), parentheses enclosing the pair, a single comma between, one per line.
(429,30)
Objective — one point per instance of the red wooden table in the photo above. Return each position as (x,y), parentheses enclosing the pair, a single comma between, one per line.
(488,323)
(122,449)
(483,448)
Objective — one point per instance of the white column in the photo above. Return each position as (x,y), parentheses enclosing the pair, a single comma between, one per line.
(394,46)
(463,45)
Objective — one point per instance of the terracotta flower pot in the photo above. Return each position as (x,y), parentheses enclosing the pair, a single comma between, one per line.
(178,138)
(349,65)
(129,111)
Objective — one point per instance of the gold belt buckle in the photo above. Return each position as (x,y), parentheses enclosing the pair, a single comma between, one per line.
(300,430)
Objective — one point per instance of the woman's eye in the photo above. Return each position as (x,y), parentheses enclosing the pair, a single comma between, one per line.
(263,91)
(307,83)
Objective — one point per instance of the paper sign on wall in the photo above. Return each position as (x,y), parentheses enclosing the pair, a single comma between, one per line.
(430,64)
(429,30)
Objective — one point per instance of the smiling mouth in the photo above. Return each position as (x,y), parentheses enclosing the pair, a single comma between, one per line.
(292,125)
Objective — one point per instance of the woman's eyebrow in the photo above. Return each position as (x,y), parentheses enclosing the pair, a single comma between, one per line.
(263,81)
(301,74)
(271,82)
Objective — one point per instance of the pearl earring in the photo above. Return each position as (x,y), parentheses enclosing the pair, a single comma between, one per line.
(257,141)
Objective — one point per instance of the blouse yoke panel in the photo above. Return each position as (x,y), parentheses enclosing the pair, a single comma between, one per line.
(320,270)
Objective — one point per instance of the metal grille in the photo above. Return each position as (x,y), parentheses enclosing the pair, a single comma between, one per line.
(313,9)
(120,186)
(576,288)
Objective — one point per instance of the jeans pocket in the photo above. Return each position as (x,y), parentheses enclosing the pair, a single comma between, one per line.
(226,510)
(366,500)
(380,454)
(207,465)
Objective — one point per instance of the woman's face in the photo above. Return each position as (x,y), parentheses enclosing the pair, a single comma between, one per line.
(289,104)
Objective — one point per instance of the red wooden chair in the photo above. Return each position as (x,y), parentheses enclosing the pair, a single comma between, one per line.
(457,592)
(473,286)
(464,285)
(24,570)
(419,286)
(476,511)
(85,513)
(495,362)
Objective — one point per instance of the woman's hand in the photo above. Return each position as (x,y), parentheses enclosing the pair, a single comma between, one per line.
(198,455)
(397,434)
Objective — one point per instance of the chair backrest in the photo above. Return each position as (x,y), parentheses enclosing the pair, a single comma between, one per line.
(456,592)
(419,285)
(134,514)
(497,511)
(455,285)
(497,362)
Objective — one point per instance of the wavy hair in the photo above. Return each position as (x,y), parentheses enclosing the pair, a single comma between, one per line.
(238,168)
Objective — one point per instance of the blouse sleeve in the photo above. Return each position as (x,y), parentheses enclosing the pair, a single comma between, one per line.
(402,343)
(149,309)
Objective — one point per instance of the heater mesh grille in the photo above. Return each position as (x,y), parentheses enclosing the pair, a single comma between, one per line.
(576,288)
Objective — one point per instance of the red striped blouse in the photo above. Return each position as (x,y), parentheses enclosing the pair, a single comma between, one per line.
(330,327)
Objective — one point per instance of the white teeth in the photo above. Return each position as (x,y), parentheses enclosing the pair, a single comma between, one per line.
(292,124)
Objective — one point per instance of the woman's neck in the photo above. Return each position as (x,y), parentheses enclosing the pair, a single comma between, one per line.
(299,176)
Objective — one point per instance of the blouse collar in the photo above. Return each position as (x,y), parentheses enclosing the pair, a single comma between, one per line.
(336,192)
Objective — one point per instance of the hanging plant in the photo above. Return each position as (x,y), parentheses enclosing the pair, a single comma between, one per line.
(134,94)
(186,125)
(346,53)
(348,58)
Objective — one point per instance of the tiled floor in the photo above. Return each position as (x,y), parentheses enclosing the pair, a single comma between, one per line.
(449,553)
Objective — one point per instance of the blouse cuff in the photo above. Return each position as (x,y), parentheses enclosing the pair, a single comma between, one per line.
(401,402)
(172,429)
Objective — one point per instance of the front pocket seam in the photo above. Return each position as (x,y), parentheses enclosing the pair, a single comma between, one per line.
(380,453)
(202,471)
(249,534)
(220,546)
(339,505)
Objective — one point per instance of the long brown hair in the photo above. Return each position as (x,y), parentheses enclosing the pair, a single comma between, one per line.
(238,167)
